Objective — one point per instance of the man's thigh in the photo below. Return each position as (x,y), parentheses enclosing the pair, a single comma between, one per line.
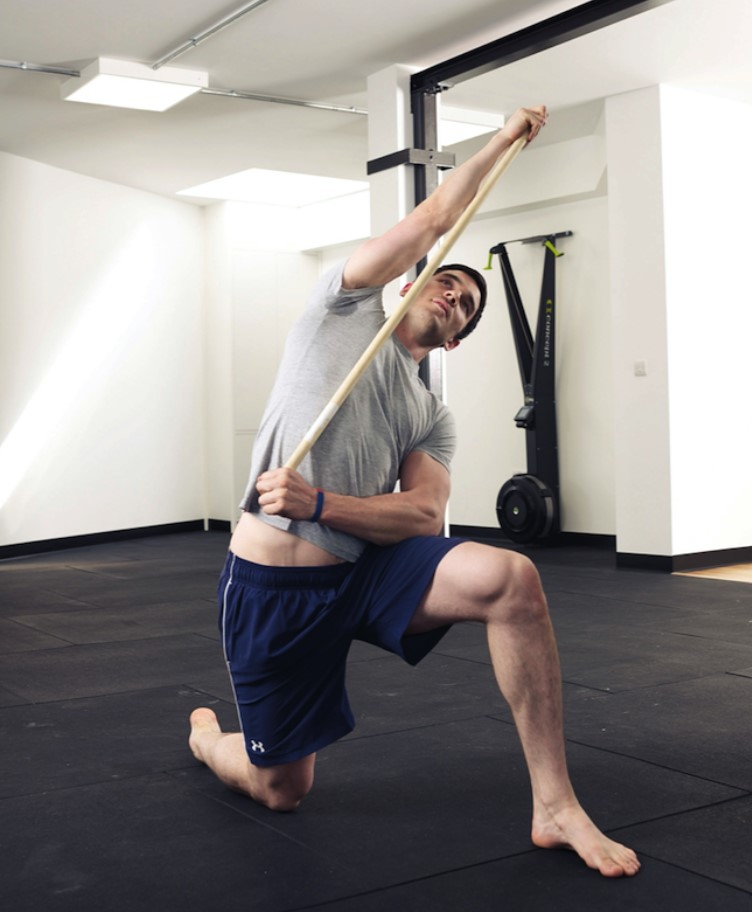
(467,580)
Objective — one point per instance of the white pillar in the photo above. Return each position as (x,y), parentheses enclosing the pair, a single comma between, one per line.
(638,298)
(679,198)
(707,194)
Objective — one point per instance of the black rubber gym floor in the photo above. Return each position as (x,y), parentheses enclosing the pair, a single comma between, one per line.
(105,650)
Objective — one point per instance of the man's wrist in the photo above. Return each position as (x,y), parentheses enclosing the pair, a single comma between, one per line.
(319,506)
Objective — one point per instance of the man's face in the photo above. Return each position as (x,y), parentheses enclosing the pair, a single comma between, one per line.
(454,298)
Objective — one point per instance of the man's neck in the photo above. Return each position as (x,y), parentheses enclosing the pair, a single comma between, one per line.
(417,351)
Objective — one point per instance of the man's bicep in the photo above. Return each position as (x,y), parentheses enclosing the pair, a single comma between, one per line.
(420,471)
(383,258)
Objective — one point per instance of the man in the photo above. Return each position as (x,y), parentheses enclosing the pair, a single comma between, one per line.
(332,552)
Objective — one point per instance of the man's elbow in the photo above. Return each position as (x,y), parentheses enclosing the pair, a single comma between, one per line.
(433,518)
(424,521)
(438,217)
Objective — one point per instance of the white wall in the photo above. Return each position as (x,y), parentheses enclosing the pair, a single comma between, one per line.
(707,194)
(257,283)
(219,375)
(679,195)
(101,293)
(483,382)
(642,480)
(484,388)
(139,342)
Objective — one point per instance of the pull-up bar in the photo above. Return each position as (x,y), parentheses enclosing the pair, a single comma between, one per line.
(536,239)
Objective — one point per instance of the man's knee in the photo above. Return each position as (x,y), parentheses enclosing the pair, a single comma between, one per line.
(283,799)
(282,788)
(520,596)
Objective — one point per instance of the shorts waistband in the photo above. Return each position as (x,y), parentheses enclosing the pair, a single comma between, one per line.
(261,575)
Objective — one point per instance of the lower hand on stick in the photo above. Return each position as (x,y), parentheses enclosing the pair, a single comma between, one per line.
(284,492)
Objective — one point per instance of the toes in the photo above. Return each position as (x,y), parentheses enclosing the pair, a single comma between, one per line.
(203,716)
(625,865)
(202,720)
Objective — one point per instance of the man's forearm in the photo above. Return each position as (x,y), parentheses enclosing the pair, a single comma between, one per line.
(417,509)
(450,199)
(381,259)
(383,519)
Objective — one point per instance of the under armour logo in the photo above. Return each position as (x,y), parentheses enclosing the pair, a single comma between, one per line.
(257,747)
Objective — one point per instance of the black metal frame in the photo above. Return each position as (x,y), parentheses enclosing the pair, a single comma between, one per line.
(425,157)
(572,23)
(427,84)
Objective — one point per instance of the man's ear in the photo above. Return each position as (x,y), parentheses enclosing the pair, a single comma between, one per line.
(405,288)
(451,343)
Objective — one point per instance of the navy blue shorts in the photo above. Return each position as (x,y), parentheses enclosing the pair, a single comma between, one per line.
(286,632)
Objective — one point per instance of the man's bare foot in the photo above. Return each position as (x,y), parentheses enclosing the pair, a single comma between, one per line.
(571,828)
(202,720)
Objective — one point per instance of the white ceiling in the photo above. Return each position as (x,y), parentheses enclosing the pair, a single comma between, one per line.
(323,51)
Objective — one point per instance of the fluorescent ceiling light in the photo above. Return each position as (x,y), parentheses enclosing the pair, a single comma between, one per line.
(276,188)
(126,84)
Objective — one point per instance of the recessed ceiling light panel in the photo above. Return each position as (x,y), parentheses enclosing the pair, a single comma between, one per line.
(276,188)
(126,84)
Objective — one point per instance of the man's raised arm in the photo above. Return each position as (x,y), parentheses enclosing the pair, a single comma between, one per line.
(388,256)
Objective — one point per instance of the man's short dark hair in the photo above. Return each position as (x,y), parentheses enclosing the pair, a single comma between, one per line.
(482,288)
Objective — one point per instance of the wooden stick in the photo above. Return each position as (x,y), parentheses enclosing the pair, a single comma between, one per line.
(346,387)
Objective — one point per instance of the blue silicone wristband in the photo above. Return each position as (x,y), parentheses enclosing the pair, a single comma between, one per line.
(319,506)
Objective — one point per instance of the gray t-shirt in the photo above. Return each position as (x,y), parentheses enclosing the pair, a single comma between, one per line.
(388,415)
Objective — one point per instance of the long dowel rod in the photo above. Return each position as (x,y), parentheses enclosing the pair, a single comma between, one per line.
(361,365)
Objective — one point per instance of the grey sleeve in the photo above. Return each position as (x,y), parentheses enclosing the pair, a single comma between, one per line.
(330,294)
(441,442)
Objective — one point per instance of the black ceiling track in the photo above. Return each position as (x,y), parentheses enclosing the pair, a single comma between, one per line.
(427,84)
(581,20)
